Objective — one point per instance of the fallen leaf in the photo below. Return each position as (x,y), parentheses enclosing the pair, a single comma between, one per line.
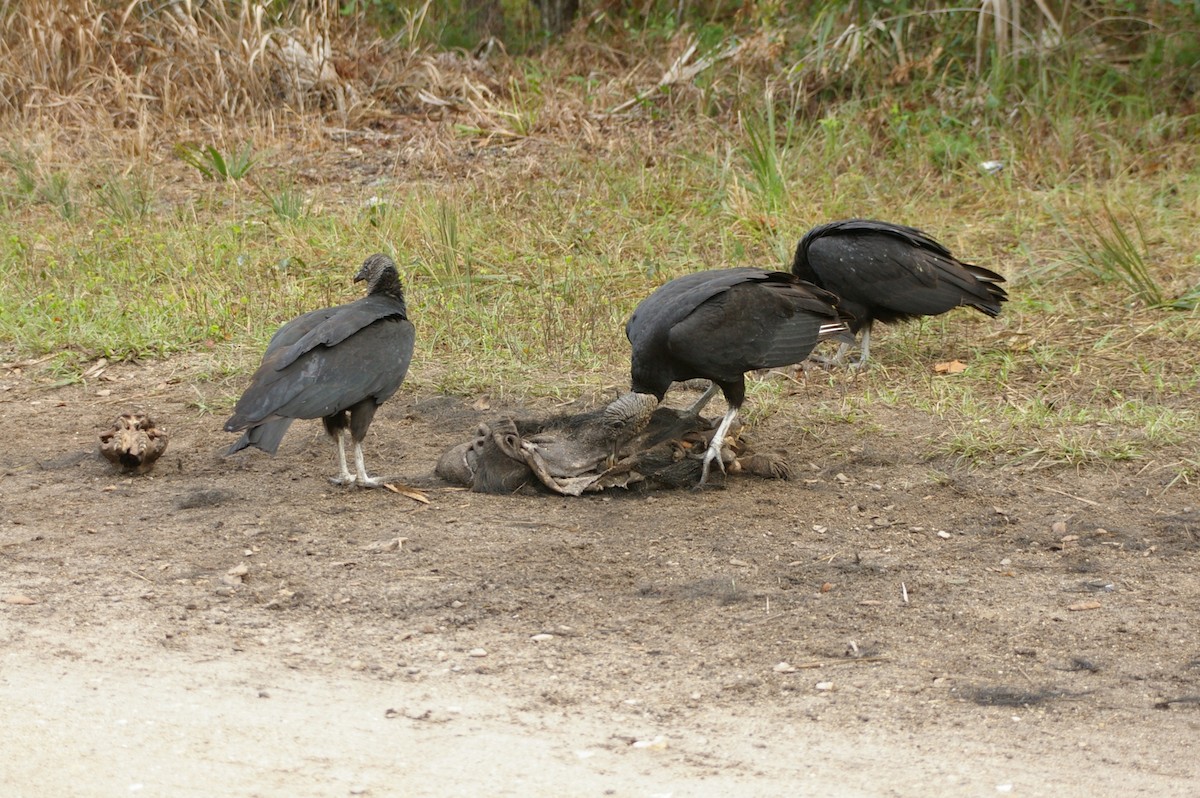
(482,403)
(949,367)
(1079,606)
(405,490)
(19,598)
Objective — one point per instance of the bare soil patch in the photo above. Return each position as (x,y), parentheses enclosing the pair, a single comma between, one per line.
(879,625)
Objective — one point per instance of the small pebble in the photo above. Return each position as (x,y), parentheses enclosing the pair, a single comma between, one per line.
(824,686)
(657,743)
(943,534)
(542,638)
(477,652)
(785,667)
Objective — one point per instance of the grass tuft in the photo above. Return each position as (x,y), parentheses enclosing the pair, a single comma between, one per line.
(126,199)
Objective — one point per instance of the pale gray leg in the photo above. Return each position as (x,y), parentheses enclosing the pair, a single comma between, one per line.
(864,349)
(364,481)
(704,399)
(344,476)
(716,444)
(837,359)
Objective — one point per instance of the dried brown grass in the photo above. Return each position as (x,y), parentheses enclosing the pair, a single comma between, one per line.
(94,64)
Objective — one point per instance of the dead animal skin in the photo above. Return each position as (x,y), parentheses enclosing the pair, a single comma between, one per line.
(133,442)
(620,445)
(508,454)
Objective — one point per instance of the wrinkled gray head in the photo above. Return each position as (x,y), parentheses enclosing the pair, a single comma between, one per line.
(627,415)
(381,275)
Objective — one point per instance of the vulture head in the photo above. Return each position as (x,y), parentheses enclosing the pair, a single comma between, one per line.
(381,275)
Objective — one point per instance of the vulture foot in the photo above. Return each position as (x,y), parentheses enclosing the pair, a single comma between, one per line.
(712,454)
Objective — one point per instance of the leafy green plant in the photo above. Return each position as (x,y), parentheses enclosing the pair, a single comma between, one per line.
(210,163)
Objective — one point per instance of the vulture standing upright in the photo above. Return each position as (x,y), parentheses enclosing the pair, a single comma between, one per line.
(337,364)
(891,273)
(717,325)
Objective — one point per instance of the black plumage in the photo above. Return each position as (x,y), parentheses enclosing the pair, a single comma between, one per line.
(717,325)
(889,272)
(337,364)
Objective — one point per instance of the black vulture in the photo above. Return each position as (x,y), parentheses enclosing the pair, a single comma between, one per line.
(337,364)
(891,273)
(717,325)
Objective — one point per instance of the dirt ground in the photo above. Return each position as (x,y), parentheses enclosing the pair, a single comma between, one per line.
(879,625)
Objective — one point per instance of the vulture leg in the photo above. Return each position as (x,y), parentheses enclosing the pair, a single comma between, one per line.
(335,427)
(360,465)
(838,358)
(699,404)
(360,418)
(344,476)
(864,349)
(716,444)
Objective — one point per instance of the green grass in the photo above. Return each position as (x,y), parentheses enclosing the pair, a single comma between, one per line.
(529,227)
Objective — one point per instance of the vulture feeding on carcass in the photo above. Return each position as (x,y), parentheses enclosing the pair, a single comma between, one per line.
(719,324)
(133,442)
(889,272)
(337,364)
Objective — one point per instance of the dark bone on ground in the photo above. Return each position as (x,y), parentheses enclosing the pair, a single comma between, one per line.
(630,442)
(133,442)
